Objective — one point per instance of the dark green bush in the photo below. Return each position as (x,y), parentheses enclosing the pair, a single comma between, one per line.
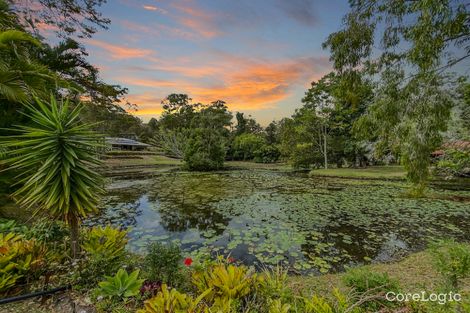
(163,263)
(267,154)
(204,151)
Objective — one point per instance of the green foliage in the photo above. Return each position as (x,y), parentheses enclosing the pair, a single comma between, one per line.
(172,301)
(105,243)
(273,285)
(245,145)
(20,260)
(452,260)
(57,158)
(267,154)
(454,163)
(414,93)
(204,151)
(340,304)
(8,226)
(193,131)
(227,283)
(276,306)
(163,263)
(105,253)
(121,286)
(364,282)
(303,156)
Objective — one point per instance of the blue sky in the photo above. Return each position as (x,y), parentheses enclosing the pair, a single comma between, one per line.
(259,56)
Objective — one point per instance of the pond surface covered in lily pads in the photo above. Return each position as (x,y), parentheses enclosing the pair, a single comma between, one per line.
(261,217)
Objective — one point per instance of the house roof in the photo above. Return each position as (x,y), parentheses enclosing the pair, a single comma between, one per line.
(457,145)
(125,142)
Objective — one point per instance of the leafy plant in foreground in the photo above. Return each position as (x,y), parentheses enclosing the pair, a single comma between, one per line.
(226,282)
(163,263)
(121,286)
(452,260)
(20,260)
(105,242)
(105,253)
(172,301)
(57,158)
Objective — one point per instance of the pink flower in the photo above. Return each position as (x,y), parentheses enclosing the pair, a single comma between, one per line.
(188,261)
(230,260)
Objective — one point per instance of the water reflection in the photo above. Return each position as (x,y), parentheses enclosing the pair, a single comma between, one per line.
(274,217)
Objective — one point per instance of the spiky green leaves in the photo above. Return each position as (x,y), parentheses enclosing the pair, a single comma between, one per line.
(57,159)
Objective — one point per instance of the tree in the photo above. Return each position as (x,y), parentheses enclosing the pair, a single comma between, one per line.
(418,43)
(68,17)
(272,133)
(205,147)
(57,161)
(245,145)
(246,125)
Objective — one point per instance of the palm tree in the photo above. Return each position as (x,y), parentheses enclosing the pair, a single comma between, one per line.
(57,159)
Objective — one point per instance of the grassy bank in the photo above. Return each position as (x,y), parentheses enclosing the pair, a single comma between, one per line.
(377,172)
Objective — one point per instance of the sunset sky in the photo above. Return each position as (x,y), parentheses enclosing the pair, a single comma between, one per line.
(257,55)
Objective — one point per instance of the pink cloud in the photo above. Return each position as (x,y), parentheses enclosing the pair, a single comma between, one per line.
(120,52)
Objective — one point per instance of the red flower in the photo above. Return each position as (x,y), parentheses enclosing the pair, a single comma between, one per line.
(188,261)
(231,260)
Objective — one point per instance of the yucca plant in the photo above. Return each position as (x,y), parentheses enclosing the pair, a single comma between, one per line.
(56,158)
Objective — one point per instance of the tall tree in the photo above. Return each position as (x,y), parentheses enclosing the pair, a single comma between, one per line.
(419,40)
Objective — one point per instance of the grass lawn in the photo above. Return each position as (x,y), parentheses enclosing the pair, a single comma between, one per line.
(394,172)
(254,165)
(414,273)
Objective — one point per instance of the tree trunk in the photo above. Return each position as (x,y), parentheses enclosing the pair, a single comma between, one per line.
(74,236)
(324,150)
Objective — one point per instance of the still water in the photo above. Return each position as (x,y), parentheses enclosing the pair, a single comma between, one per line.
(264,218)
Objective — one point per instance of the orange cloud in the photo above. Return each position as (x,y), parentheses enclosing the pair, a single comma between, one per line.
(120,52)
(153,83)
(242,83)
(147,103)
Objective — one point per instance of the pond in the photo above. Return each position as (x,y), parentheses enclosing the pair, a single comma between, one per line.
(261,217)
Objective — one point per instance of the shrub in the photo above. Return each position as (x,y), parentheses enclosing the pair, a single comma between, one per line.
(304,156)
(276,306)
(454,163)
(163,263)
(121,286)
(174,301)
(227,283)
(273,284)
(108,243)
(20,260)
(10,226)
(452,260)
(366,282)
(267,154)
(340,304)
(104,253)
